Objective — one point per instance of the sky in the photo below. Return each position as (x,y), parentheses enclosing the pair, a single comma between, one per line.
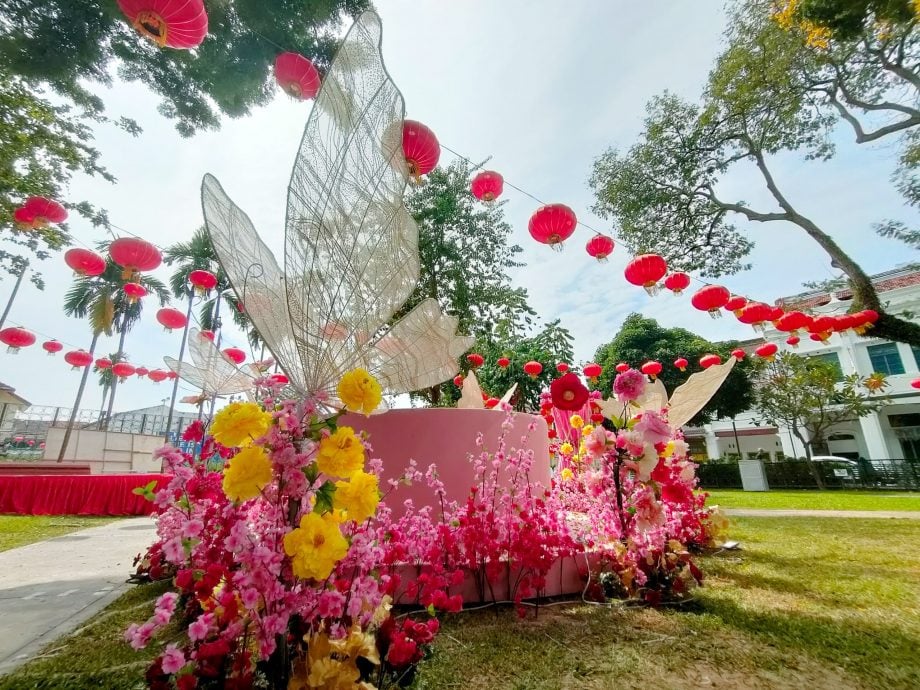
(539,88)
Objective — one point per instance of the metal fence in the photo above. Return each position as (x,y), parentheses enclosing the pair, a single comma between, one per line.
(893,474)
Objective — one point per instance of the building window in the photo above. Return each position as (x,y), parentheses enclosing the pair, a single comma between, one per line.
(886,359)
(834,360)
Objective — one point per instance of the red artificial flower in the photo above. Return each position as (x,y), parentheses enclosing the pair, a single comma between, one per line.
(568,392)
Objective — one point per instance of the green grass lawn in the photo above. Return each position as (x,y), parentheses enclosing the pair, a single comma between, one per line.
(816,500)
(19,530)
(806,603)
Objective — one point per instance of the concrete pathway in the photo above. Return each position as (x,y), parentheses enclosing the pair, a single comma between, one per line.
(49,588)
(767,512)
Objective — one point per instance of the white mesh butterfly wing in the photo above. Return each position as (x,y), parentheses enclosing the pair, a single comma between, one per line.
(211,370)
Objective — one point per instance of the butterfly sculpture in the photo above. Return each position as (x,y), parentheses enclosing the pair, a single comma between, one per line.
(351,257)
(212,371)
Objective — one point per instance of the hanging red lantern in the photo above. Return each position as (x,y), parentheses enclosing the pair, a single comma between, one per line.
(646,270)
(600,247)
(202,281)
(776,314)
(279,379)
(710,360)
(651,368)
(235,355)
(134,254)
(37,212)
(621,367)
(487,186)
(822,326)
(711,298)
(677,282)
(592,371)
(421,149)
(552,224)
(735,303)
(168,23)
(767,351)
(15,338)
(122,370)
(134,291)
(141,372)
(792,322)
(157,375)
(534,369)
(793,341)
(171,318)
(475,359)
(503,362)
(78,359)
(739,354)
(52,346)
(297,76)
(84,262)
(754,314)
(207,335)
(681,363)
(458,381)
(915,383)
(103,363)
(172,375)
(562,367)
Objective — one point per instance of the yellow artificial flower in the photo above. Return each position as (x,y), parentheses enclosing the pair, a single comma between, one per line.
(238,423)
(359,391)
(341,454)
(587,430)
(358,496)
(576,421)
(567,474)
(315,547)
(247,474)
(566,448)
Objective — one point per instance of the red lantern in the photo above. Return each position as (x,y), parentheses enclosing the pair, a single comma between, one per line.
(735,303)
(15,338)
(134,254)
(103,363)
(792,322)
(52,346)
(207,335)
(562,367)
(754,314)
(122,370)
(767,351)
(38,212)
(793,341)
(552,224)
(487,186)
(821,325)
(646,270)
(651,368)
(157,375)
(421,149)
(458,381)
(677,282)
(78,358)
(475,359)
(592,371)
(84,262)
(168,22)
(776,314)
(134,291)
(739,354)
(915,383)
(297,76)
(171,318)
(503,362)
(172,375)
(202,281)
(141,372)
(279,379)
(710,360)
(711,298)
(235,355)
(621,367)
(533,369)
(600,247)
(681,363)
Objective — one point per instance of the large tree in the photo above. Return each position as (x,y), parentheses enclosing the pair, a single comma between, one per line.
(810,396)
(641,339)
(773,90)
(70,45)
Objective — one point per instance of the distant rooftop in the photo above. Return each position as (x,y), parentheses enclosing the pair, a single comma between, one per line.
(8,392)
(883,282)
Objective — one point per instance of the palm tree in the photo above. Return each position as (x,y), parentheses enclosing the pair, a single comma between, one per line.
(102,300)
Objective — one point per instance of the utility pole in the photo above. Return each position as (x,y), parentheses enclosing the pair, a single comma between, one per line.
(175,390)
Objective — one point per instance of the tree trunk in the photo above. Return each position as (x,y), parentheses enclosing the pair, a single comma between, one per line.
(119,355)
(434,395)
(76,403)
(812,467)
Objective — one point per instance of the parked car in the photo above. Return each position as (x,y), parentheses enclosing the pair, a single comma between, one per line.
(834,458)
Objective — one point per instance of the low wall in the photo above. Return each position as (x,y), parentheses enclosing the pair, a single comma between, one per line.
(106,452)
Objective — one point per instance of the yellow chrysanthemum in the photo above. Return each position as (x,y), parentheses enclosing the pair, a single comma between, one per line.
(566,448)
(576,421)
(240,422)
(315,547)
(358,496)
(341,454)
(247,474)
(567,475)
(359,391)
(587,430)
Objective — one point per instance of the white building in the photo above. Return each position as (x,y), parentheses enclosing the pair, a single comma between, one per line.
(893,432)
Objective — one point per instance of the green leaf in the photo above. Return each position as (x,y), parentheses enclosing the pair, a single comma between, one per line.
(324,497)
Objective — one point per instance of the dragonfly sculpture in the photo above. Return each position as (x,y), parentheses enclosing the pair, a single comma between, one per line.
(351,258)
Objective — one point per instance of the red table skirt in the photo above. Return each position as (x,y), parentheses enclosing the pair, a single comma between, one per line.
(92,494)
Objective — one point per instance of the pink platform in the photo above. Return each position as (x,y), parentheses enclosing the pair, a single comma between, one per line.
(447,437)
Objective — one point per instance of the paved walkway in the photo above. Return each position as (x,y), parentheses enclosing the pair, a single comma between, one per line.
(766,512)
(49,588)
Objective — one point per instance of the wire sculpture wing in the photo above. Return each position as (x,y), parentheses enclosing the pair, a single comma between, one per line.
(351,248)
(692,396)
(211,370)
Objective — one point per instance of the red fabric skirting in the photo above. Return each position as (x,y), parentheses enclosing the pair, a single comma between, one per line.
(95,494)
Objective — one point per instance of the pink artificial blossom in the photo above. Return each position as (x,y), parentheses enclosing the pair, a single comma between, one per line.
(653,428)
(629,385)
(173,659)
